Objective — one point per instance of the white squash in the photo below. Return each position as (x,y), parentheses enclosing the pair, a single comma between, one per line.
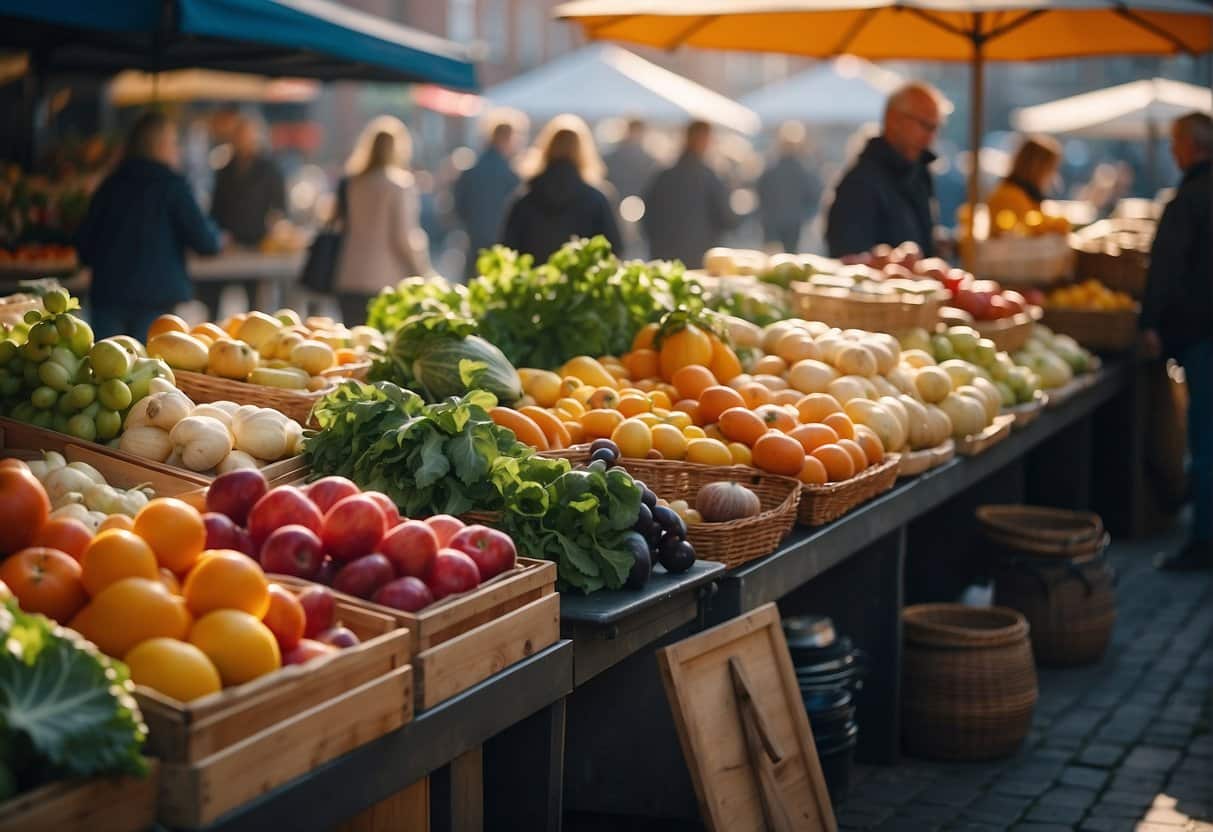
(202,441)
(146,442)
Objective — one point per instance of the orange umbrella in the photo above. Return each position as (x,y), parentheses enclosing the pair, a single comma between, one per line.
(973,31)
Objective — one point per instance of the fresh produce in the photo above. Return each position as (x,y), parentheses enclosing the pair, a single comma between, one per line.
(66,710)
(24,505)
(719,502)
(1090,294)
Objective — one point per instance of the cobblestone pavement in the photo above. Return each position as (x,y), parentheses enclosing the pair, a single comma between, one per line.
(1123,745)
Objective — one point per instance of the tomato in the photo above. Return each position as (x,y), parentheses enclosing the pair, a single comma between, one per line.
(46,581)
(24,507)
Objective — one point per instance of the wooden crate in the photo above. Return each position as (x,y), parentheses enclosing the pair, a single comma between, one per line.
(228,748)
(465,639)
(99,804)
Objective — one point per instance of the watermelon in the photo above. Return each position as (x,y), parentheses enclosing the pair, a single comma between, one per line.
(441,371)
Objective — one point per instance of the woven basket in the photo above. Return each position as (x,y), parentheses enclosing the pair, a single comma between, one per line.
(993,433)
(917,462)
(357,370)
(1010,334)
(297,404)
(1025,261)
(1026,413)
(847,310)
(1069,602)
(736,541)
(968,682)
(1042,531)
(821,504)
(1103,330)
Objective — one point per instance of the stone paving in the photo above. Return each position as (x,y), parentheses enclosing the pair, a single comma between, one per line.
(1123,745)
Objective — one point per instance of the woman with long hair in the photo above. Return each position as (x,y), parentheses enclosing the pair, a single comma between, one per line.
(379,206)
(563,198)
(1032,173)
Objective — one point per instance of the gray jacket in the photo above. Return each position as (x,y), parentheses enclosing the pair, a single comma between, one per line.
(687,212)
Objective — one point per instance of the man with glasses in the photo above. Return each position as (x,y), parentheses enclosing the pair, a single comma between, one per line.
(887,196)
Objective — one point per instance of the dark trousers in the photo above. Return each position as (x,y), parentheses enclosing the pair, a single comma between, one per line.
(126,319)
(353,307)
(210,291)
(1197,361)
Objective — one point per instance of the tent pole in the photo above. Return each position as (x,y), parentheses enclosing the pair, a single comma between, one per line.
(977,103)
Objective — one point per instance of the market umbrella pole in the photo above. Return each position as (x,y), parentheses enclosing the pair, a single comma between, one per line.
(977,102)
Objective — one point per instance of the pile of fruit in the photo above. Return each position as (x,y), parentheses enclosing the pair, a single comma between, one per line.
(79,491)
(1015,384)
(1008,223)
(884,272)
(187,618)
(332,532)
(1090,294)
(43,254)
(54,376)
(274,350)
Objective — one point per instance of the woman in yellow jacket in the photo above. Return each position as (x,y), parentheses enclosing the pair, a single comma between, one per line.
(1023,189)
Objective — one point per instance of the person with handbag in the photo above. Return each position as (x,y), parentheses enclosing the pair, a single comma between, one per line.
(381,238)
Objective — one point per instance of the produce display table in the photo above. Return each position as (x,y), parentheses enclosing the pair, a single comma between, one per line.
(853,569)
(273,272)
(514,721)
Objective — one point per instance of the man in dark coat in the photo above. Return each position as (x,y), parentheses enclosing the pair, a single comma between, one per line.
(139,224)
(887,196)
(687,207)
(483,191)
(788,192)
(1177,318)
(250,192)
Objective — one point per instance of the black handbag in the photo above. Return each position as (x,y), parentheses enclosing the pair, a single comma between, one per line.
(320,268)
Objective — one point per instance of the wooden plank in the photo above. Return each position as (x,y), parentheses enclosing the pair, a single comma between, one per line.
(406,811)
(193,795)
(472,657)
(100,804)
(698,684)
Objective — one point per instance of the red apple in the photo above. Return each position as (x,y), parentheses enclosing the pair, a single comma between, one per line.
(411,547)
(293,550)
(327,491)
(408,593)
(492,550)
(319,608)
(328,571)
(452,572)
(306,650)
(390,512)
(339,637)
(1014,300)
(221,532)
(280,507)
(235,493)
(363,576)
(999,308)
(353,528)
(445,526)
(244,543)
(1034,297)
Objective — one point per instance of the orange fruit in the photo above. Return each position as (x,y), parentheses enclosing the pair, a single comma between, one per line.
(285,617)
(524,428)
(841,423)
(873,448)
(741,425)
(737,382)
(215,332)
(169,580)
(741,453)
(45,581)
(857,454)
(225,579)
(838,463)
(778,453)
(576,432)
(177,669)
(813,472)
(166,323)
(553,430)
(755,394)
(66,534)
(725,364)
(687,346)
(786,398)
(641,363)
(774,416)
(175,531)
(679,419)
(660,398)
(708,452)
(633,437)
(600,424)
(669,441)
(771,365)
(643,339)
(716,400)
(241,647)
(813,436)
(773,383)
(131,611)
(691,408)
(696,432)
(114,555)
(816,406)
(571,407)
(634,405)
(603,397)
(117,521)
(690,381)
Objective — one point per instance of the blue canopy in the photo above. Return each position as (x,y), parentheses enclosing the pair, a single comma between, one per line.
(299,38)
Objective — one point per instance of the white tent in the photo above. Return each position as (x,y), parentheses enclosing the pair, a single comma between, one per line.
(604,81)
(841,91)
(1134,111)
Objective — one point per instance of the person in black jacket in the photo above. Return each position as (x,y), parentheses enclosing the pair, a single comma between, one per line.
(888,196)
(560,202)
(1177,317)
(139,224)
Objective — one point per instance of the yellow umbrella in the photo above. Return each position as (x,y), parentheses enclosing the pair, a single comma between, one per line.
(972,31)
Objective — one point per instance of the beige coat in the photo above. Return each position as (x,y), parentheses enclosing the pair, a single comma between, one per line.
(383,240)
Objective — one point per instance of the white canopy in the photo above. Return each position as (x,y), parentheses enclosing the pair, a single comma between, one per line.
(604,81)
(1127,111)
(841,91)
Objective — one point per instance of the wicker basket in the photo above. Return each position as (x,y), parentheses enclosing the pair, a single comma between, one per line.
(993,433)
(736,541)
(917,462)
(874,313)
(821,504)
(1010,334)
(1103,330)
(1025,261)
(1026,413)
(297,404)
(1042,531)
(357,370)
(968,682)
